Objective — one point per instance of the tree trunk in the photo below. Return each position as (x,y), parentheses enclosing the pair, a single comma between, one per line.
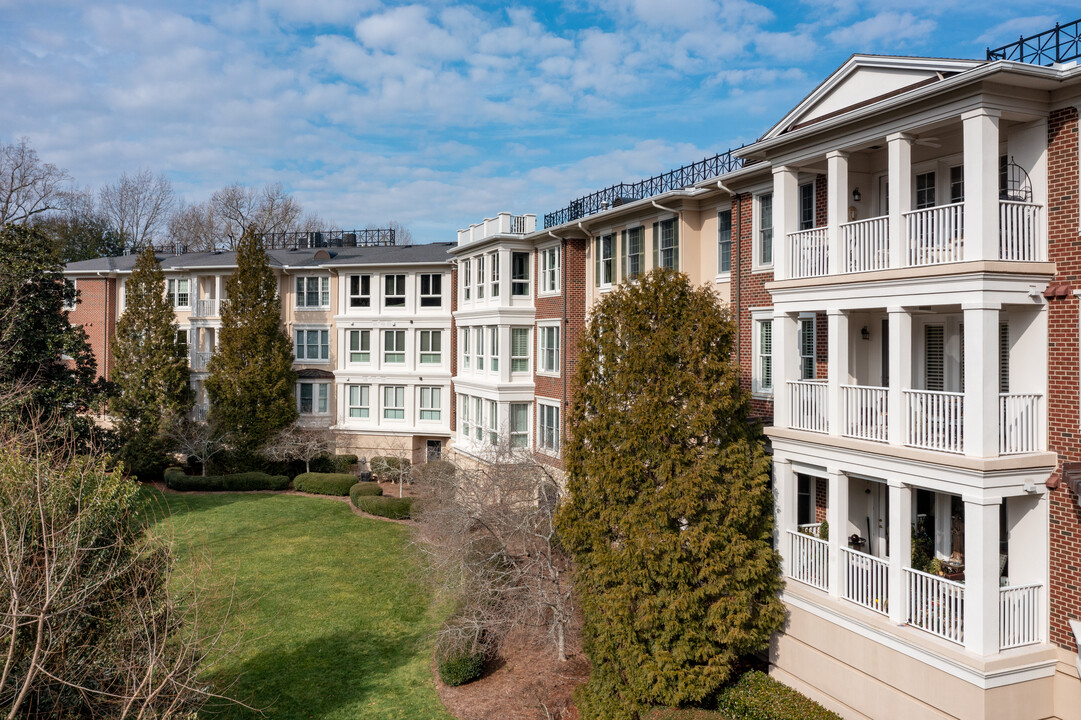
(561,641)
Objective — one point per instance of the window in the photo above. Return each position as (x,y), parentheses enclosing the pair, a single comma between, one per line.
(548,437)
(519,274)
(763,352)
(182,342)
(313,292)
(493,423)
(394,346)
(925,190)
(394,402)
(666,244)
(478,347)
(724,241)
(765,229)
(494,260)
(549,348)
(466,359)
(360,346)
(431,290)
(934,357)
(519,349)
(467,425)
(360,291)
(394,291)
(478,419)
(957,184)
(467,278)
(312,345)
(431,347)
(493,348)
(480,277)
(430,403)
(73,284)
(177,292)
(550,270)
(312,398)
(807,348)
(359,400)
(604,266)
(807,206)
(519,425)
(633,252)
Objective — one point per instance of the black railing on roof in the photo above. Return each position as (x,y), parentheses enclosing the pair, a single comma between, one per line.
(1058,45)
(625,192)
(301,240)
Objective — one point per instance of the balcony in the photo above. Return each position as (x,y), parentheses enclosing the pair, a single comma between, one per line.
(208,307)
(935,235)
(200,360)
(866,412)
(808,405)
(809,253)
(866,244)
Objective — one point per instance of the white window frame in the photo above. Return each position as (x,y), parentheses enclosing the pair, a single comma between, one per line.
(174,293)
(493,258)
(478,347)
(478,419)
(521,283)
(480,277)
(396,349)
(467,359)
(760,317)
(518,438)
(363,409)
(493,348)
(467,279)
(546,410)
(808,364)
(520,359)
(359,334)
(551,259)
(322,290)
(320,390)
(430,279)
(605,275)
(300,349)
(723,273)
(430,401)
(543,336)
(396,407)
(667,231)
(425,338)
(359,299)
(466,417)
(399,293)
(809,224)
(759,232)
(492,424)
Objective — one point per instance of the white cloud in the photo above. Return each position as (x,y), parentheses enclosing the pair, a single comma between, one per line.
(889,29)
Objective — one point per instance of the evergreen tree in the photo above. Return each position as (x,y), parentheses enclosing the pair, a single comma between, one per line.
(670,514)
(45,360)
(251,377)
(151,372)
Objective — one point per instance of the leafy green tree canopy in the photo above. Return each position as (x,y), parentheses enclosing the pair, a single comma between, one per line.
(251,377)
(669,517)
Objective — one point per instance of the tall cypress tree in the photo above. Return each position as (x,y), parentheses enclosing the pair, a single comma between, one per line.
(251,381)
(669,517)
(151,374)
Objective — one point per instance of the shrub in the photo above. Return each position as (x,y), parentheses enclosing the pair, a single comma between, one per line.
(434,469)
(388,507)
(757,696)
(175,479)
(360,490)
(332,464)
(324,483)
(389,465)
(461,668)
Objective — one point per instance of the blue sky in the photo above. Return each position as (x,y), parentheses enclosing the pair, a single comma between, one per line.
(436,115)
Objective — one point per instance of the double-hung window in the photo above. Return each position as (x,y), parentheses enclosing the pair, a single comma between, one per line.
(765,229)
(394,402)
(493,348)
(182,342)
(467,356)
(467,424)
(549,348)
(478,419)
(493,423)
(313,292)
(467,279)
(519,349)
(394,291)
(633,252)
(430,403)
(666,244)
(431,290)
(178,292)
(394,346)
(550,269)
(548,435)
(312,345)
(479,347)
(494,261)
(519,425)
(763,354)
(431,347)
(925,190)
(360,291)
(807,348)
(359,401)
(957,184)
(360,346)
(604,262)
(807,206)
(724,242)
(313,398)
(519,274)
(480,277)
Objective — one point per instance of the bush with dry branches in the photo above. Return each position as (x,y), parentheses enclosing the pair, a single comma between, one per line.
(297,443)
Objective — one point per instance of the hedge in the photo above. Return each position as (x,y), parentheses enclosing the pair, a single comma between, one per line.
(175,479)
(460,669)
(435,469)
(333,463)
(362,489)
(388,507)
(757,696)
(324,483)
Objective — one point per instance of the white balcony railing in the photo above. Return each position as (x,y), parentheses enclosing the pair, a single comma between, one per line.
(935,420)
(199,412)
(199,361)
(808,253)
(935,604)
(1019,231)
(935,235)
(808,405)
(808,560)
(865,412)
(1019,424)
(866,244)
(814,529)
(208,307)
(866,580)
(1018,616)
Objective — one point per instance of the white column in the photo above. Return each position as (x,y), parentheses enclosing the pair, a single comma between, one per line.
(900,371)
(981,379)
(504,278)
(900,546)
(981,574)
(837,516)
(785,496)
(900,200)
(836,206)
(785,364)
(981,184)
(785,217)
(838,366)
(217,287)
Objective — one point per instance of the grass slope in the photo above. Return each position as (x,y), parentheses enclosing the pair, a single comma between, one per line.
(334,618)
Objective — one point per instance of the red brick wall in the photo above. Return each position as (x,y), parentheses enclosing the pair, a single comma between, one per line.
(821,499)
(96,313)
(1064,408)
(748,291)
(822,341)
(821,202)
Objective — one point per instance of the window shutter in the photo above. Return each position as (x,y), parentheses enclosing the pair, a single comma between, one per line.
(623,255)
(596,262)
(675,244)
(934,356)
(656,245)
(1003,358)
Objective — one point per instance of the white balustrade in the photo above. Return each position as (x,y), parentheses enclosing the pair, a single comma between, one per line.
(1019,423)
(808,559)
(865,412)
(935,604)
(199,412)
(866,580)
(813,529)
(1018,616)
(808,405)
(200,360)
(1019,231)
(935,420)
(808,253)
(866,244)
(207,307)
(935,235)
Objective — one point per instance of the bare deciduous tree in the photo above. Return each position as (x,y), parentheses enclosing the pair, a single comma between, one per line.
(28,187)
(297,443)
(489,533)
(393,466)
(195,227)
(402,234)
(266,210)
(198,440)
(138,206)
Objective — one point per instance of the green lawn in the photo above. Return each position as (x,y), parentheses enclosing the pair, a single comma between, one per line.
(334,615)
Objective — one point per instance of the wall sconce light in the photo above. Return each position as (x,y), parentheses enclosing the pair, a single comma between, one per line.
(865,333)
(856,195)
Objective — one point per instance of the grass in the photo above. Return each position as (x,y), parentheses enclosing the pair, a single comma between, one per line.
(334,620)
